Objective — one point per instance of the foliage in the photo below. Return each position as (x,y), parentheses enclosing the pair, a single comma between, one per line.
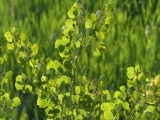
(61,90)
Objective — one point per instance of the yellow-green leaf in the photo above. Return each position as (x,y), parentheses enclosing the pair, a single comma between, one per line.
(23,36)
(8,36)
(88,23)
(16,101)
(34,49)
(10,46)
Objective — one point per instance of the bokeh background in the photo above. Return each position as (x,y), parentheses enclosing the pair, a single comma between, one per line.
(134,39)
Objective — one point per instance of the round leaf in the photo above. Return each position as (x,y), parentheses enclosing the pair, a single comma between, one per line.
(88,23)
(77,90)
(10,46)
(108,115)
(16,101)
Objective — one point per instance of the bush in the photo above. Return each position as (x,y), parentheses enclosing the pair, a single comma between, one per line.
(61,90)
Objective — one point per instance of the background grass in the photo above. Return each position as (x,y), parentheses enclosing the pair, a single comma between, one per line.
(134,39)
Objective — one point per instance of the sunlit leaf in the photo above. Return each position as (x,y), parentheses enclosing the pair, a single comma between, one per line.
(130,72)
(18,86)
(96,53)
(78,44)
(81,112)
(10,46)
(138,68)
(34,49)
(107,106)
(71,13)
(77,90)
(8,75)
(50,64)
(69,23)
(43,78)
(60,97)
(88,23)
(116,94)
(122,88)
(1,60)
(93,17)
(19,78)
(16,101)
(42,103)
(26,88)
(108,20)
(6,57)
(108,115)
(8,36)
(126,106)
(100,36)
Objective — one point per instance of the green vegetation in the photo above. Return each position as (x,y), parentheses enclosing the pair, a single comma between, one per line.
(74,61)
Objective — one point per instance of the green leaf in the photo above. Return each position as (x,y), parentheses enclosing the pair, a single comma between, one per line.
(100,36)
(34,49)
(26,88)
(60,97)
(8,75)
(123,89)
(93,17)
(77,90)
(107,106)
(18,86)
(1,60)
(8,36)
(67,64)
(104,28)
(43,78)
(6,96)
(108,115)
(5,57)
(150,108)
(23,36)
(96,53)
(135,94)
(33,63)
(66,32)
(10,46)
(79,117)
(50,64)
(76,6)
(130,72)
(101,46)
(116,94)
(81,112)
(126,106)
(65,40)
(138,68)
(70,14)
(4,81)
(78,44)
(108,20)
(88,23)
(19,78)
(69,23)
(98,14)
(42,103)
(16,101)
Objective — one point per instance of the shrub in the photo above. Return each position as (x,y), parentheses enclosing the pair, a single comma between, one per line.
(61,90)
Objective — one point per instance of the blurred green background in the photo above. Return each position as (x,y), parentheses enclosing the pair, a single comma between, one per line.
(134,39)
